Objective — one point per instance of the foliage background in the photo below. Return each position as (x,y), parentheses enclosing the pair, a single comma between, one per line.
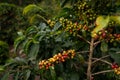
(39,29)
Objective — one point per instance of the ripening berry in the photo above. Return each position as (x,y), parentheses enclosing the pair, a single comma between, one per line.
(112,66)
(60,57)
(103,35)
(92,78)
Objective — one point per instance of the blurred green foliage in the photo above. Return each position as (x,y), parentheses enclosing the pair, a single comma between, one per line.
(72,25)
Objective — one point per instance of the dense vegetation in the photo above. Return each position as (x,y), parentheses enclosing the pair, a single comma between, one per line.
(65,40)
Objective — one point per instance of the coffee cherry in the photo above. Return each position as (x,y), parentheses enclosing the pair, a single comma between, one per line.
(112,66)
(60,57)
(92,78)
(103,35)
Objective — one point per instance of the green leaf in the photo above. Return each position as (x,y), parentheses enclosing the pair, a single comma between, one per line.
(43,26)
(57,26)
(104,46)
(53,73)
(101,23)
(20,61)
(4,45)
(68,44)
(62,4)
(31,30)
(31,9)
(33,50)
(1,68)
(20,33)
(116,19)
(16,75)
(27,45)
(60,78)
(81,58)
(18,42)
(36,19)
(6,76)
(74,76)
(28,72)
(115,55)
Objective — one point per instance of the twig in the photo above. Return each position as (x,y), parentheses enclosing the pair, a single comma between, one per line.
(97,42)
(83,52)
(83,39)
(98,59)
(102,61)
(103,57)
(101,72)
(90,59)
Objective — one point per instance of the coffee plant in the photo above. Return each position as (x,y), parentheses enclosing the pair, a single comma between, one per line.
(82,43)
(11,20)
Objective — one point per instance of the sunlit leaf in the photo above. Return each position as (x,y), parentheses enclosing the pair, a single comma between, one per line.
(31,9)
(101,23)
(116,19)
(1,68)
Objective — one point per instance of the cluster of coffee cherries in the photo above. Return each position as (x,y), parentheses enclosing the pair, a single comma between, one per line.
(58,58)
(102,34)
(85,12)
(72,27)
(106,35)
(116,68)
(51,23)
(114,37)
